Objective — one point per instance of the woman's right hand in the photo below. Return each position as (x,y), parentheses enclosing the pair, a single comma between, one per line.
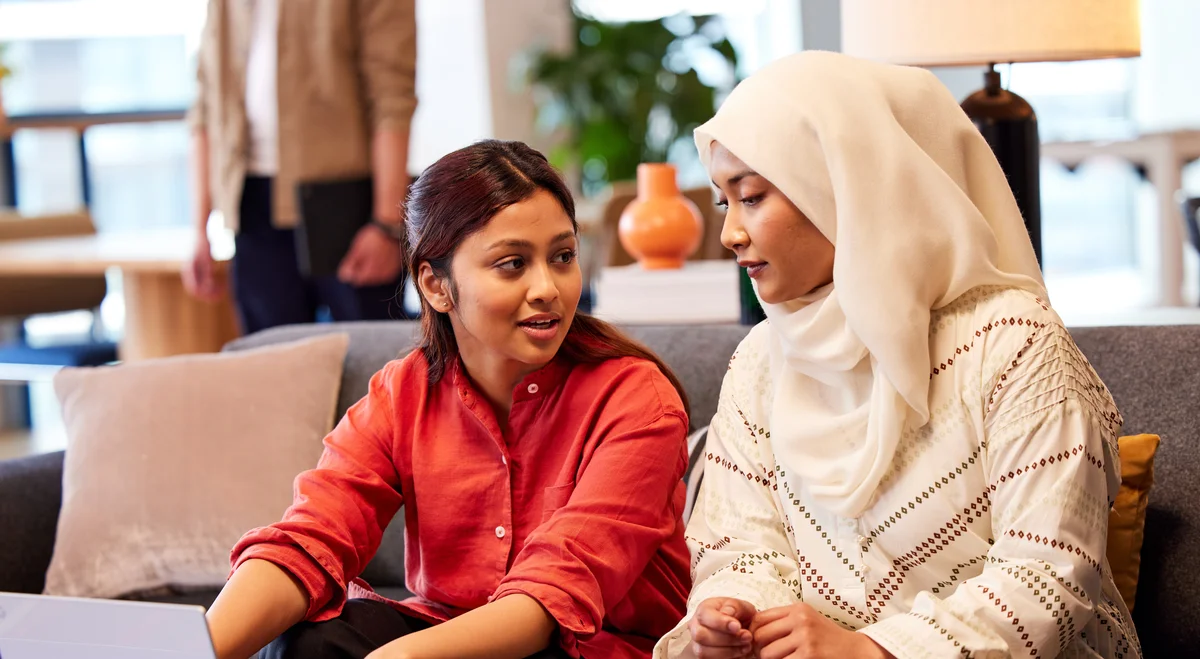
(721,629)
(199,274)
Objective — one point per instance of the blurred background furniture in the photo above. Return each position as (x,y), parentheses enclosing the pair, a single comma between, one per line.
(161,319)
(25,295)
(76,122)
(1160,157)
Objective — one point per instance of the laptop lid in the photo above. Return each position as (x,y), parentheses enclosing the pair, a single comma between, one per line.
(42,627)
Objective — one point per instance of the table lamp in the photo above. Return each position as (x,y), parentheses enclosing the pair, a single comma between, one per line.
(988,32)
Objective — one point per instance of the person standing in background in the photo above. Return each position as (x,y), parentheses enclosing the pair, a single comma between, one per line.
(290,93)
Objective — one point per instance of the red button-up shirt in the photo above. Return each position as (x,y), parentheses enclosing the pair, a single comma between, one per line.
(576,503)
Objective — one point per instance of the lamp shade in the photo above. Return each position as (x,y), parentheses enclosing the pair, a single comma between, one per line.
(971,32)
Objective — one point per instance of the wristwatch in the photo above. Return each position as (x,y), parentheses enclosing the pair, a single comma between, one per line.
(395,230)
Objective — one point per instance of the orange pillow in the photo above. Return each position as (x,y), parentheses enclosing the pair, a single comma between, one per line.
(1127,519)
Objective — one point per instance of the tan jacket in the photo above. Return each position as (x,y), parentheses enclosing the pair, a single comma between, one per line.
(345,69)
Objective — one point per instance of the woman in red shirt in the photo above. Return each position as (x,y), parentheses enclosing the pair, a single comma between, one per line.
(537,453)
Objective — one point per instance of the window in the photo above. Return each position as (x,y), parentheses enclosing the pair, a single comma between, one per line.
(1100,222)
(87,56)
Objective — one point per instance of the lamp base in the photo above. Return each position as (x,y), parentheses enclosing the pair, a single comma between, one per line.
(1009,125)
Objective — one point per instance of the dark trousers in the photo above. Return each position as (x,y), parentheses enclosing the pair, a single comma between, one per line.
(269,288)
(364,626)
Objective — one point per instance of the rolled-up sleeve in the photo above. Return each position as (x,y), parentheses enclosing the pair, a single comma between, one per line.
(388,57)
(586,555)
(340,509)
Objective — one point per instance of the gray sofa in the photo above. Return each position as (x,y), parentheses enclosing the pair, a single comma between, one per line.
(1154,373)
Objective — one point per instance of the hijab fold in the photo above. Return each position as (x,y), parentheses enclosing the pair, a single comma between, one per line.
(884,162)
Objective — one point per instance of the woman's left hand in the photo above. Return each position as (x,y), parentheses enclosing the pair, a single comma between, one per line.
(799,632)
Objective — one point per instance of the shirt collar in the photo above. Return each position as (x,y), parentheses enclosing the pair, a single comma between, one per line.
(535,385)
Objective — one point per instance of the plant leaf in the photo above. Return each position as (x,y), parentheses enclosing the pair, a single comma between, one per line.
(605,91)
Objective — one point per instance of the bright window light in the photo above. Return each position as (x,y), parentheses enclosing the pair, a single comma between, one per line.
(97,19)
(620,11)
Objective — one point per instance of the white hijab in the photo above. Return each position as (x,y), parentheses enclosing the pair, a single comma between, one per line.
(886,165)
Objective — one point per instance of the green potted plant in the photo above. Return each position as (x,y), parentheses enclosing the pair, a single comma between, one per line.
(629,92)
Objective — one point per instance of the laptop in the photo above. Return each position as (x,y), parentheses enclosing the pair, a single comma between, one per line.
(43,627)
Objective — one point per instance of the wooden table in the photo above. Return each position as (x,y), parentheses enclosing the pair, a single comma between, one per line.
(161,319)
(1162,156)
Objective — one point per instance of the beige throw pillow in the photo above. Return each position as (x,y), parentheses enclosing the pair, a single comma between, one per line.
(170,461)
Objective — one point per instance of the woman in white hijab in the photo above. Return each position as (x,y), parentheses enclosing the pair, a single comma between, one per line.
(910,458)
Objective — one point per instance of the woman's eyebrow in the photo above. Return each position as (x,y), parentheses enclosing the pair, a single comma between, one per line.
(521,243)
(513,243)
(737,178)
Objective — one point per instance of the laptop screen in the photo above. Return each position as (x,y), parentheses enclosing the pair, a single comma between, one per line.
(40,627)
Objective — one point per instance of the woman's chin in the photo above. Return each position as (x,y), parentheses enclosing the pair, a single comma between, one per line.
(535,353)
(768,293)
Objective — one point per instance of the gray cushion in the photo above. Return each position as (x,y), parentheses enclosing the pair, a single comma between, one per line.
(1154,375)
(699,356)
(30,498)
(694,352)
(372,344)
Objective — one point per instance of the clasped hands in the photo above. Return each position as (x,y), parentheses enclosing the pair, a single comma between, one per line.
(728,628)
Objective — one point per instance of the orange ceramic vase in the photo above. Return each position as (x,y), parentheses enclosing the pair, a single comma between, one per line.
(661,228)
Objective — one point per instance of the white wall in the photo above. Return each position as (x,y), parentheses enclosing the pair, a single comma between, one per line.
(469,78)
(452,80)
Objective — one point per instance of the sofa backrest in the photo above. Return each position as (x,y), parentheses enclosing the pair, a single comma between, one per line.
(699,354)
(1153,373)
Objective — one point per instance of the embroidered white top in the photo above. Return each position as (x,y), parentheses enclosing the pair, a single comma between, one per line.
(986,535)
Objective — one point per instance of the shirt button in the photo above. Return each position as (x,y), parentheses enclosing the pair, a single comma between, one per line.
(499,531)
(503,460)
(533,388)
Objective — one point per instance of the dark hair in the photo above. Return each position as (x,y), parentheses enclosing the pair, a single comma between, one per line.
(457,196)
